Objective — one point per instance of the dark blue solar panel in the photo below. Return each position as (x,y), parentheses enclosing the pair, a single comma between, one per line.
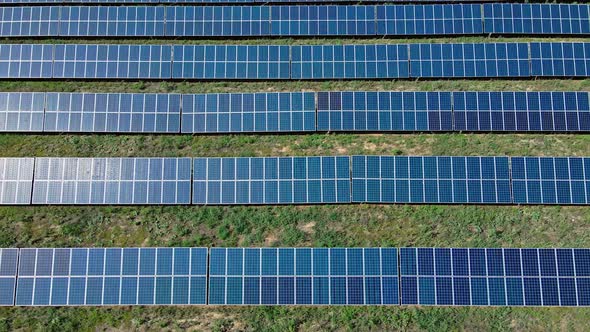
(112,181)
(494,277)
(521,111)
(8,263)
(112,61)
(469,60)
(112,112)
(231,62)
(303,276)
(549,180)
(26,61)
(248,112)
(16,180)
(384,111)
(112,21)
(429,19)
(349,61)
(29,21)
(398,179)
(112,276)
(21,111)
(536,18)
(560,59)
(270,180)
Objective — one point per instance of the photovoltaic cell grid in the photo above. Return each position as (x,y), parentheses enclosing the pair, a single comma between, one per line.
(29,21)
(249,112)
(271,180)
(16,180)
(26,61)
(303,276)
(521,111)
(112,276)
(112,112)
(536,18)
(560,59)
(547,180)
(22,111)
(495,277)
(384,111)
(8,273)
(112,181)
(397,179)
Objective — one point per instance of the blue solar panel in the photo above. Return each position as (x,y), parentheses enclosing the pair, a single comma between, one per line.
(111,61)
(231,62)
(112,181)
(349,61)
(494,277)
(399,179)
(112,276)
(21,111)
(8,263)
(303,276)
(112,112)
(29,21)
(536,18)
(112,21)
(384,111)
(16,180)
(469,60)
(521,111)
(560,59)
(281,180)
(26,61)
(429,19)
(248,112)
(549,180)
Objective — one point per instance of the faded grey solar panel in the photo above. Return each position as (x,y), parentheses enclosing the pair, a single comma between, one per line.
(111,276)
(26,61)
(112,181)
(16,180)
(29,21)
(271,180)
(303,276)
(248,112)
(8,266)
(112,112)
(21,111)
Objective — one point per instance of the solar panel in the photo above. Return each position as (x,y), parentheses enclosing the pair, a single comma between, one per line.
(16,180)
(129,21)
(429,19)
(271,180)
(111,61)
(29,21)
(248,112)
(113,112)
(8,262)
(349,61)
(303,276)
(21,111)
(26,61)
(112,181)
(560,59)
(495,277)
(521,111)
(400,179)
(111,276)
(536,18)
(548,180)
(469,60)
(384,111)
(231,62)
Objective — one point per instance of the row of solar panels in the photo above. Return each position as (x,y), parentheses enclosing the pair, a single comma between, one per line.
(98,2)
(254,62)
(295,276)
(241,21)
(294,112)
(295,180)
